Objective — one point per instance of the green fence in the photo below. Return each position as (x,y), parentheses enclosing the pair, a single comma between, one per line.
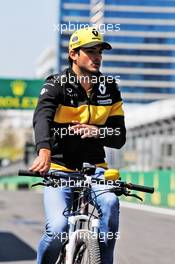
(163,181)
(16,183)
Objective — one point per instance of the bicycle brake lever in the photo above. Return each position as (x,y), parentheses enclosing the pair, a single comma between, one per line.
(135,196)
(46,182)
(37,184)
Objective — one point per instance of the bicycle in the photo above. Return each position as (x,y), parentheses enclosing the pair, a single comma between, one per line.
(82,242)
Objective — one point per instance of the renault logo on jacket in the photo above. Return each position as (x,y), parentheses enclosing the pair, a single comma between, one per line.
(102,88)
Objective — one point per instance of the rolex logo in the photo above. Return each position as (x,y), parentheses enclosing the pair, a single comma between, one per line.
(18,87)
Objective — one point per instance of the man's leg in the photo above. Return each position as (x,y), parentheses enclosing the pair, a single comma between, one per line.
(109,222)
(55,201)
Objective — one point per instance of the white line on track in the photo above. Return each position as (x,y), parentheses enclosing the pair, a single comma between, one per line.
(148,208)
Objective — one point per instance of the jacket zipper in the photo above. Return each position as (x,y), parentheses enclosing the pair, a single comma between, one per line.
(89,109)
(88,104)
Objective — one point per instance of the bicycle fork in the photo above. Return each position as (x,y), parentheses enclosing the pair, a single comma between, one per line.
(73,234)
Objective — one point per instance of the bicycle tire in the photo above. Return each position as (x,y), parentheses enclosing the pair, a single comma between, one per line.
(61,256)
(87,249)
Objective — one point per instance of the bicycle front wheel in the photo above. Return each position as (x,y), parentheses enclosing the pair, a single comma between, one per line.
(62,256)
(87,249)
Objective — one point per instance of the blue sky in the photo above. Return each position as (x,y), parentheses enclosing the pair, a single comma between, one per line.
(26,29)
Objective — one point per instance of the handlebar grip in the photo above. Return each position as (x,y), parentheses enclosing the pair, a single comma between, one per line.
(28,173)
(140,188)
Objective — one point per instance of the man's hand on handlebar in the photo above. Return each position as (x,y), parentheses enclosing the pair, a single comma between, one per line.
(42,162)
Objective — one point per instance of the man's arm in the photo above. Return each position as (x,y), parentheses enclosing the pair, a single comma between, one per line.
(112,134)
(115,132)
(42,120)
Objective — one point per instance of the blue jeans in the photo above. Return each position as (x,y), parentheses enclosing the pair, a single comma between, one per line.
(55,201)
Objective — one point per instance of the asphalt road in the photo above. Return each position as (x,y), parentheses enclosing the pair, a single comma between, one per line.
(145,237)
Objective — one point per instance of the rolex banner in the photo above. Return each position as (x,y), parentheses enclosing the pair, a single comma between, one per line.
(19,94)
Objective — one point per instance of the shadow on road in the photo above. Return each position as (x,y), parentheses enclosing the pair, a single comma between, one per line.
(14,249)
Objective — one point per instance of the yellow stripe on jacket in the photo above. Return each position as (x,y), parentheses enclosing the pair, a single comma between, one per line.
(98,113)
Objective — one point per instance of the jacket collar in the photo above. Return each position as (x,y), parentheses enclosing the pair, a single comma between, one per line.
(71,75)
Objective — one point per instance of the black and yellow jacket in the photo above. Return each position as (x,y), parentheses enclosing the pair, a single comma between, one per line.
(62,101)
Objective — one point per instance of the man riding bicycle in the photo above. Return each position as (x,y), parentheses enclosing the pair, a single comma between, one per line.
(78,113)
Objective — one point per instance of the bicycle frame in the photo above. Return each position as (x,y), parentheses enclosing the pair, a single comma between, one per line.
(84,218)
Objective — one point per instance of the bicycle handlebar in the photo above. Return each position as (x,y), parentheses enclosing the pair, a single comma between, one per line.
(80,176)
(73,175)
(29,173)
(140,188)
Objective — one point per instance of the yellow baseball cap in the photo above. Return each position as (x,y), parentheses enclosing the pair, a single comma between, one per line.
(87,37)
